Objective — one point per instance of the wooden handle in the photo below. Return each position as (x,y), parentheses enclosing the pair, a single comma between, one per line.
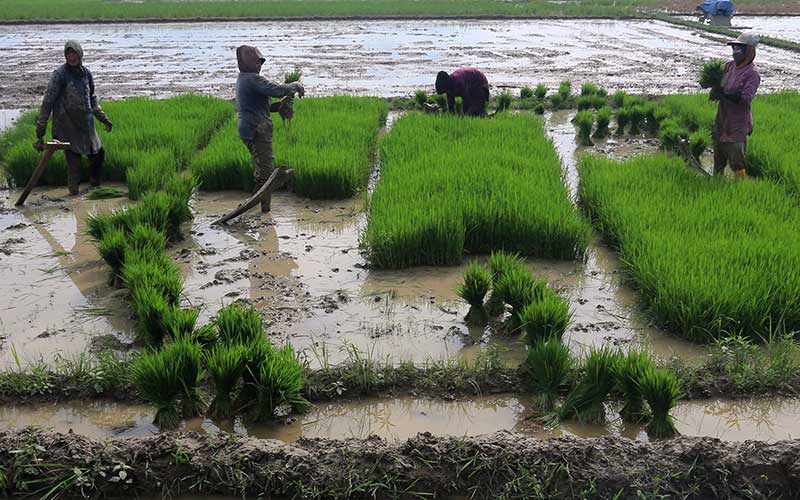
(37,174)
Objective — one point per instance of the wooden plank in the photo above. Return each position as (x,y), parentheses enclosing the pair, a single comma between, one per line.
(277,179)
(49,149)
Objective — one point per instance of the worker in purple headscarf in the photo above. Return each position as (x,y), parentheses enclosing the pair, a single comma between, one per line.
(467,83)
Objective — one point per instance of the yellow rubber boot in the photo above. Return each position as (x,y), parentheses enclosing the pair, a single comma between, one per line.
(741,174)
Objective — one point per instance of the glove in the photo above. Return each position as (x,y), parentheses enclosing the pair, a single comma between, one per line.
(108,125)
(715,94)
(298,89)
(733,96)
(286,109)
(39,144)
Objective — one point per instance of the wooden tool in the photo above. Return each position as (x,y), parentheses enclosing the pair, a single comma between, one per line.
(49,148)
(278,178)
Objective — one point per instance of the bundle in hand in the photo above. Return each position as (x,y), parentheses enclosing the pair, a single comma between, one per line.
(286,110)
(711,74)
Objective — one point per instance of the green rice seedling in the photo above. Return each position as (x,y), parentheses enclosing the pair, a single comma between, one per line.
(603,121)
(225,365)
(565,90)
(546,318)
(525,93)
(710,258)
(698,142)
(501,263)
(629,372)
(239,325)
(637,117)
(280,382)
(105,193)
(589,89)
(656,113)
(539,108)
(693,111)
(99,224)
(257,351)
(440,100)
(586,401)
(623,119)
(146,239)
(292,76)
(548,363)
(599,102)
(584,102)
(151,309)
(476,284)
(206,336)
(584,120)
(540,91)
(661,388)
(421,97)
(179,322)
(188,356)
(618,99)
(601,92)
(556,101)
(157,379)
(433,217)
(711,73)
(150,172)
(147,269)
(672,133)
(518,288)
(503,102)
(112,247)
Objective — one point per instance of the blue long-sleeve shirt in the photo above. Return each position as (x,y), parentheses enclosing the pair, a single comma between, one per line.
(253,93)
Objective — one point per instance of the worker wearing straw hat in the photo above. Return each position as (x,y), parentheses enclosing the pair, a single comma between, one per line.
(734,121)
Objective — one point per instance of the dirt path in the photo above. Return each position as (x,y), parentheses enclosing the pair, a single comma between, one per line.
(491,466)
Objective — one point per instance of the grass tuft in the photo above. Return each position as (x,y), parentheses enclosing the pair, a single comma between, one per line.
(549,363)
(629,372)
(662,390)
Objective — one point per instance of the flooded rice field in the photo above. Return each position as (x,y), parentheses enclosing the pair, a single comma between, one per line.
(383,58)
(398,419)
(785,27)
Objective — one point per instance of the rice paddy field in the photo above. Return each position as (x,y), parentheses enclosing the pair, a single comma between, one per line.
(545,303)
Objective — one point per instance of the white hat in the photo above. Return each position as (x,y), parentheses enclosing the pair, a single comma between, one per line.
(745,39)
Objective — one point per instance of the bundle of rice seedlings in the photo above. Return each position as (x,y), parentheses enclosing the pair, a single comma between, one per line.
(539,108)
(476,284)
(188,356)
(671,133)
(225,365)
(206,336)
(584,102)
(637,115)
(587,398)
(104,193)
(153,210)
(280,382)
(546,318)
(518,288)
(525,93)
(556,101)
(147,239)
(151,310)
(711,74)
(565,90)
(588,89)
(145,268)
(293,76)
(601,92)
(599,102)
(179,323)
(603,121)
(540,91)
(549,363)
(156,377)
(623,118)
(584,120)
(628,371)
(421,97)
(618,99)
(98,224)
(500,263)
(503,102)
(256,352)
(661,389)
(440,100)
(112,247)
(698,142)
(239,325)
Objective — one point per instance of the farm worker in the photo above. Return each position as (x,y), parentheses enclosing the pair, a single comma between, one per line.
(734,121)
(253,93)
(71,99)
(467,83)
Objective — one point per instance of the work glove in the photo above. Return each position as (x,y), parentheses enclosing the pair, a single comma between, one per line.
(715,94)
(298,89)
(733,96)
(108,125)
(39,144)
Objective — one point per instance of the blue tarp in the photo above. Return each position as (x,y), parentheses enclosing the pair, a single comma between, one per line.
(717,7)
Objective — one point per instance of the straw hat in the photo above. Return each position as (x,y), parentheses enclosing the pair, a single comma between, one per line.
(745,39)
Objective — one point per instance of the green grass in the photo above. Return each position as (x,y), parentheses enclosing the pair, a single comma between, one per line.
(451,185)
(711,258)
(549,363)
(104,193)
(158,134)
(330,145)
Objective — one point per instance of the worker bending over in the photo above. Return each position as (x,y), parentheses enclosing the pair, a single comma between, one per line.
(71,99)
(467,83)
(253,93)
(734,121)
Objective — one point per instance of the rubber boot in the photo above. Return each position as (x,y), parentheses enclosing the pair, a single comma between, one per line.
(95,167)
(741,174)
(266,202)
(73,173)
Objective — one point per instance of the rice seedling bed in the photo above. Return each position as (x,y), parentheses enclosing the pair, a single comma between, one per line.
(451,185)
(151,138)
(330,144)
(711,258)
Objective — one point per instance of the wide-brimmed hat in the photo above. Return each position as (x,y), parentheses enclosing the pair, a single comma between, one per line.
(745,39)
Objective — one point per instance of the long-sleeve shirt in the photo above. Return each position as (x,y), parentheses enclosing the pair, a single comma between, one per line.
(253,93)
(470,85)
(71,99)
(734,121)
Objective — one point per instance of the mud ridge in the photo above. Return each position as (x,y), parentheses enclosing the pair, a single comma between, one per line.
(499,465)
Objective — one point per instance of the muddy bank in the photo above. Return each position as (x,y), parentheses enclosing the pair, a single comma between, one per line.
(384,58)
(751,8)
(490,466)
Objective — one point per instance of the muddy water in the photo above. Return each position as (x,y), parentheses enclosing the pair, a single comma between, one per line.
(399,419)
(385,58)
(8,117)
(785,27)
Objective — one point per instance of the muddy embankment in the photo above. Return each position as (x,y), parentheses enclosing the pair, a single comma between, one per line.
(500,465)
